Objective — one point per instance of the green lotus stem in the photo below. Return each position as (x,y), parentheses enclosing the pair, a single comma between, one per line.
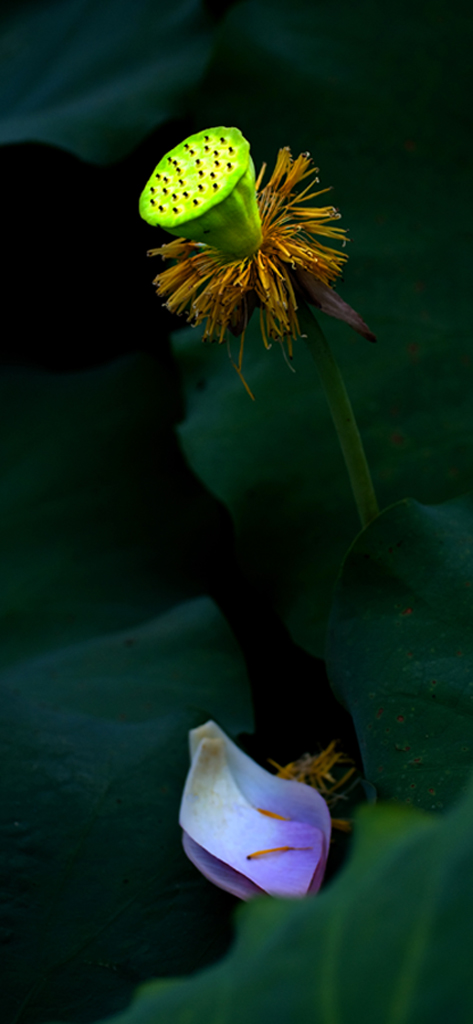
(342,415)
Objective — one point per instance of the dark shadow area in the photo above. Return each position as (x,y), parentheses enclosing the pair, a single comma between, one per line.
(78,293)
(77,282)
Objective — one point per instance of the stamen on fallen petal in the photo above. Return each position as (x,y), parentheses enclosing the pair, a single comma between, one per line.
(271,814)
(277,849)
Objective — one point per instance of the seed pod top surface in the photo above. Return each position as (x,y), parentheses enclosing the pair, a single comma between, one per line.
(194,177)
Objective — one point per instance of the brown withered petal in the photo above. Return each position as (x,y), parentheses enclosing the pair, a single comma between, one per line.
(326,299)
(248,305)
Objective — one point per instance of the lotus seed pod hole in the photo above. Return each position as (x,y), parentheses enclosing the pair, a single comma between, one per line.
(194,176)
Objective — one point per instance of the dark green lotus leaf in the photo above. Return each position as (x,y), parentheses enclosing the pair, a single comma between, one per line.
(102,526)
(96,78)
(387,941)
(346,86)
(400,649)
(107,660)
(97,893)
(185,657)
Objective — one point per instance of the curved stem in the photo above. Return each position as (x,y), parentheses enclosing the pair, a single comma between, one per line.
(342,415)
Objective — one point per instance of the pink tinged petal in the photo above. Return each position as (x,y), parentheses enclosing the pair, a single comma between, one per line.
(329,302)
(318,875)
(219,812)
(288,872)
(218,872)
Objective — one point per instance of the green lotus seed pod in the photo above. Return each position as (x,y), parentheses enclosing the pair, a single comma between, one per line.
(204,189)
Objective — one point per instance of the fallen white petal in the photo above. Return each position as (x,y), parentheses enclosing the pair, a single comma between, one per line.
(224,795)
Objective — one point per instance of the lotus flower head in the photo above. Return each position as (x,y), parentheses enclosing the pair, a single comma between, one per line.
(242,245)
(248,831)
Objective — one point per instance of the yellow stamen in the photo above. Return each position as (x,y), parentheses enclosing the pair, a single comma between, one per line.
(277,849)
(237,366)
(317,770)
(260,176)
(341,782)
(271,814)
(341,824)
(242,345)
